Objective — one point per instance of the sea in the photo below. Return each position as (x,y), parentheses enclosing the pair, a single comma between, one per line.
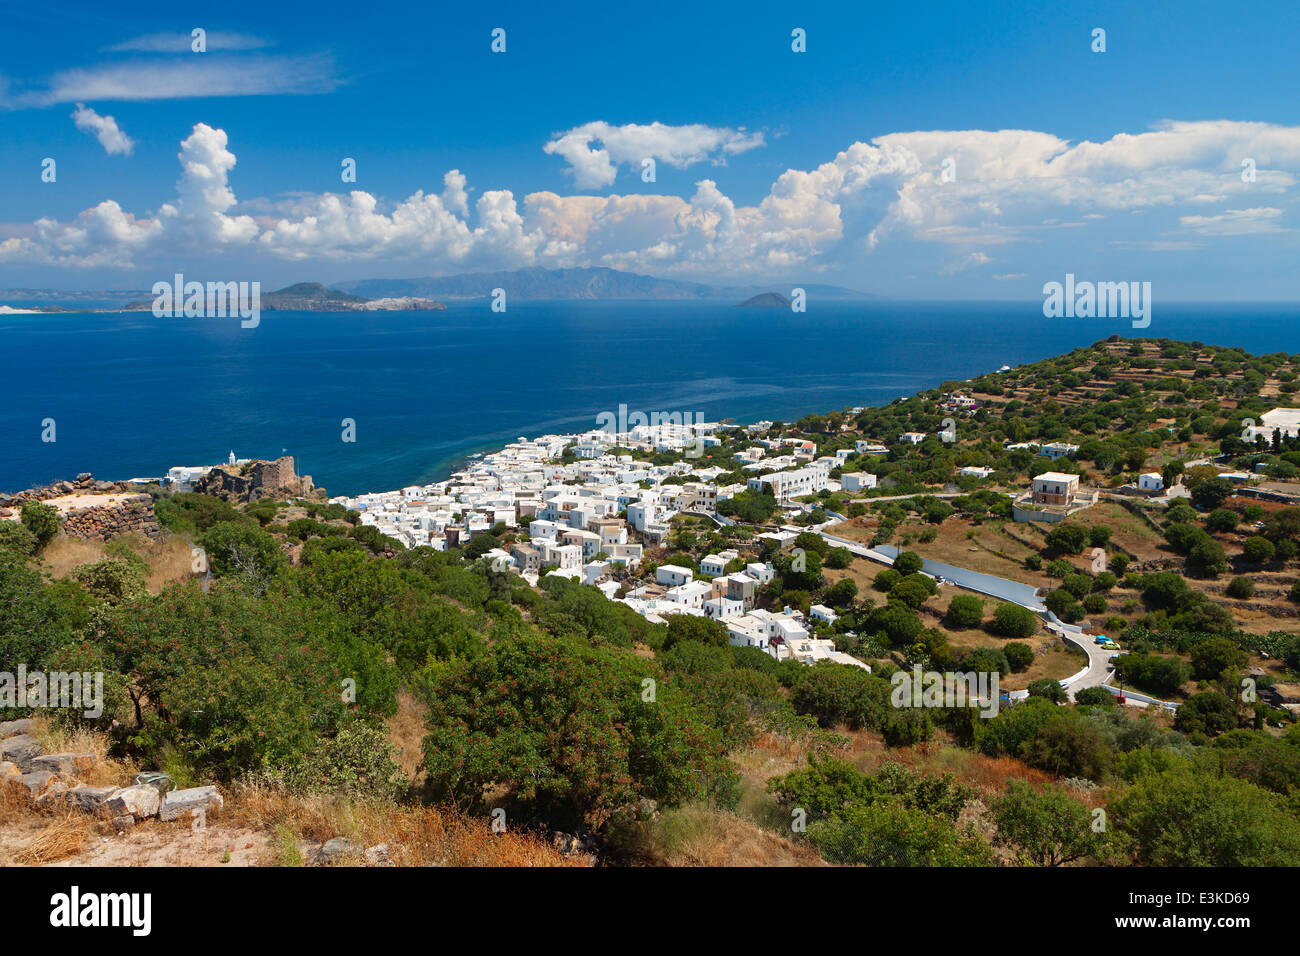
(127,395)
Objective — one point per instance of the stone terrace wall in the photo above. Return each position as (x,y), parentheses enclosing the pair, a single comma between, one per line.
(121,514)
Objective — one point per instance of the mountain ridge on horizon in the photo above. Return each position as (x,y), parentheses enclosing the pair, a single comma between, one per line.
(600,282)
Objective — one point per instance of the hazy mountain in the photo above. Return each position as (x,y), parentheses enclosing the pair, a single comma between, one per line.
(600,283)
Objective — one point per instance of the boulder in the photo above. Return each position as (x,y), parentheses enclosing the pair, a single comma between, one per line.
(12,728)
(337,850)
(21,749)
(378,855)
(181,803)
(122,822)
(54,794)
(10,775)
(141,801)
(69,764)
(36,782)
(90,799)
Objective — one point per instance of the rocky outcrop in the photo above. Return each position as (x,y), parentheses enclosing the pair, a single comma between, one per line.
(257,479)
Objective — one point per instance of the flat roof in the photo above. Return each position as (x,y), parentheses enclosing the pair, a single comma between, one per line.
(1056,476)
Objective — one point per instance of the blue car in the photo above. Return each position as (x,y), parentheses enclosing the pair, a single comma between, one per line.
(1100,639)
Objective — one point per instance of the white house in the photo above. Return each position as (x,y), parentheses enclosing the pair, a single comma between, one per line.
(1058,449)
(1151,481)
(760,572)
(1054,488)
(822,613)
(977,471)
(857,481)
(869,448)
(912,438)
(720,608)
(715,564)
(691,594)
(670,575)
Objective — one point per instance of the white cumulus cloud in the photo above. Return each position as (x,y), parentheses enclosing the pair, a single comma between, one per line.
(104,129)
(594,167)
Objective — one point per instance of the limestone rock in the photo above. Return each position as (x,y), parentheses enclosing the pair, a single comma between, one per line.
(21,749)
(180,803)
(90,799)
(141,801)
(12,728)
(70,764)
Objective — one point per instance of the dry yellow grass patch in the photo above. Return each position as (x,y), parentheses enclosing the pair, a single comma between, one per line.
(66,835)
(107,771)
(414,835)
(406,732)
(170,558)
(700,836)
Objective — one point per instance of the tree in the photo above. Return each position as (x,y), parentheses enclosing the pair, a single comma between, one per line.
(688,627)
(1209,712)
(964,611)
(1241,587)
(1045,827)
(1257,549)
(235,547)
(908,562)
(1095,697)
(1050,689)
(838,694)
(567,733)
(886,833)
(1019,656)
(1182,818)
(1222,519)
(1012,620)
(1211,493)
(898,622)
(40,519)
(1067,538)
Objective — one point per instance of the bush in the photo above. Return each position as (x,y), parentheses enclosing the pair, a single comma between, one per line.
(1095,604)
(1095,697)
(1012,620)
(1019,656)
(1067,538)
(886,579)
(41,520)
(1209,712)
(964,611)
(1051,689)
(1222,519)
(16,537)
(908,562)
(1241,587)
(1257,549)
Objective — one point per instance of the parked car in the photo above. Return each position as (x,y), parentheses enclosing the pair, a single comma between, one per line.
(1100,639)
(1110,646)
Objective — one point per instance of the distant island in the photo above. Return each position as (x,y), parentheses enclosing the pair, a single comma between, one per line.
(419,294)
(765,300)
(597,283)
(314,297)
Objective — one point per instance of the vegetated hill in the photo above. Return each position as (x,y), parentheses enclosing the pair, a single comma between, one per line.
(314,297)
(765,301)
(597,283)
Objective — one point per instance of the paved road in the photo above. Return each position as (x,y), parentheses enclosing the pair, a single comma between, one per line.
(1099,670)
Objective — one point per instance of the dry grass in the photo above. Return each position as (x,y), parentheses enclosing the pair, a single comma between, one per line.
(65,836)
(415,835)
(406,732)
(701,836)
(169,558)
(107,771)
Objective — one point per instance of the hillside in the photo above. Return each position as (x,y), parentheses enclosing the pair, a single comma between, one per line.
(411,698)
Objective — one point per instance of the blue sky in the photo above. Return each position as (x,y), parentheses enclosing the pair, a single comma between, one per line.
(770,165)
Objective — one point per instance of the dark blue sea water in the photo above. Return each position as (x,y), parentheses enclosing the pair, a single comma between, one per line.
(132,395)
